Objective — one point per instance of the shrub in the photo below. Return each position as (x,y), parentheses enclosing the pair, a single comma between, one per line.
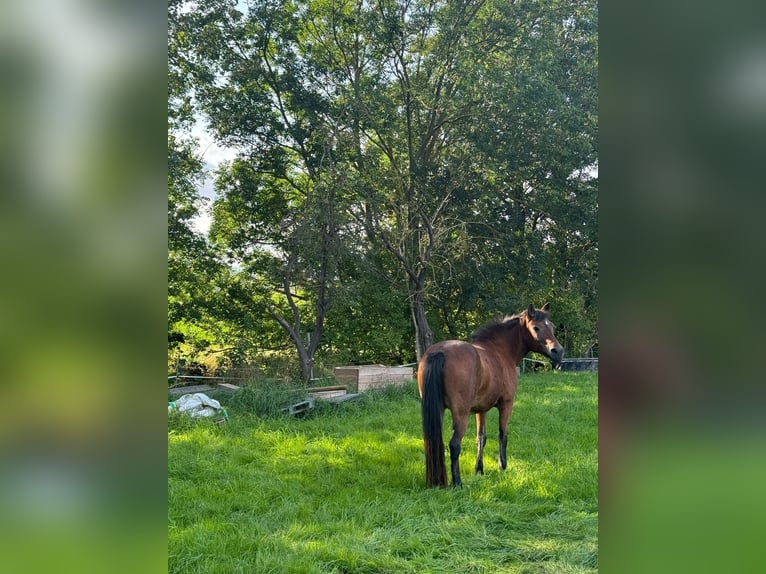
(265,398)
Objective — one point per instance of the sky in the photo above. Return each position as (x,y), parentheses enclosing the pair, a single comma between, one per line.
(212,155)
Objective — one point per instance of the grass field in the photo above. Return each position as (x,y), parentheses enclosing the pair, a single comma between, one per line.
(343,490)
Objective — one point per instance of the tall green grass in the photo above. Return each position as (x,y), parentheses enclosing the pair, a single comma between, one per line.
(343,490)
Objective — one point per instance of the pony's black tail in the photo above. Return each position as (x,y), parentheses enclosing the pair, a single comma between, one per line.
(432,410)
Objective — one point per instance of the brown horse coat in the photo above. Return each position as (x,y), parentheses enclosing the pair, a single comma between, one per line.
(473,377)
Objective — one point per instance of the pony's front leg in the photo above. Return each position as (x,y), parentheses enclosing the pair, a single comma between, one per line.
(458,431)
(481,440)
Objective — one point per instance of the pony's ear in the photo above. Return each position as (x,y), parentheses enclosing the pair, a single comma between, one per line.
(547,307)
(531,311)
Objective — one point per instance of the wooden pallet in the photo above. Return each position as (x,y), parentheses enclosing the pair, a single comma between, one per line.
(301,408)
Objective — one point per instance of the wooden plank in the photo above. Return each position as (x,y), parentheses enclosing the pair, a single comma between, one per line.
(178,391)
(332,388)
(346,375)
(228,387)
(327,394)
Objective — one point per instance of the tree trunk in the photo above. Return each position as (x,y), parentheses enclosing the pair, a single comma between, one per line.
(306,350)
(423,334)
(306,359)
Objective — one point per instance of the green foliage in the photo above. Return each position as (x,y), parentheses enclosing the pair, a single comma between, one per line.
(370,322)
(194,272)
(405,171)
(343,491)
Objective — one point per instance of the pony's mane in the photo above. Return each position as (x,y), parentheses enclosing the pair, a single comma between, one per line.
(496,327)
(501,325)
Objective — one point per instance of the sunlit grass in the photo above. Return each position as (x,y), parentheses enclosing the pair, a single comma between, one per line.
(344,491)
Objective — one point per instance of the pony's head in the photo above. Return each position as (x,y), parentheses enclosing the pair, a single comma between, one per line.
(538,333)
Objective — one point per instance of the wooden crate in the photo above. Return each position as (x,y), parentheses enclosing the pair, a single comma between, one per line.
(360,378)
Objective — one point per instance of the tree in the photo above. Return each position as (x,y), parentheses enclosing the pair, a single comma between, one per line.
(279,218)
(188,256)
(455,137)
(191,262)
(397,70)
(532,217)
(465,118)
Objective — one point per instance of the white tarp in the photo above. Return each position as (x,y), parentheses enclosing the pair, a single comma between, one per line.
(196,405)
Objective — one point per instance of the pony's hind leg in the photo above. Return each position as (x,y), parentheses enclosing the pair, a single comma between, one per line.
(458,432)
(504,410)
(481,440)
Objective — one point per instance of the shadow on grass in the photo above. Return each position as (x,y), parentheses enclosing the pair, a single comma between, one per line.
(344,491)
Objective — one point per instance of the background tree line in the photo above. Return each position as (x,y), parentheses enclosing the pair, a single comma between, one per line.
(405,170)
